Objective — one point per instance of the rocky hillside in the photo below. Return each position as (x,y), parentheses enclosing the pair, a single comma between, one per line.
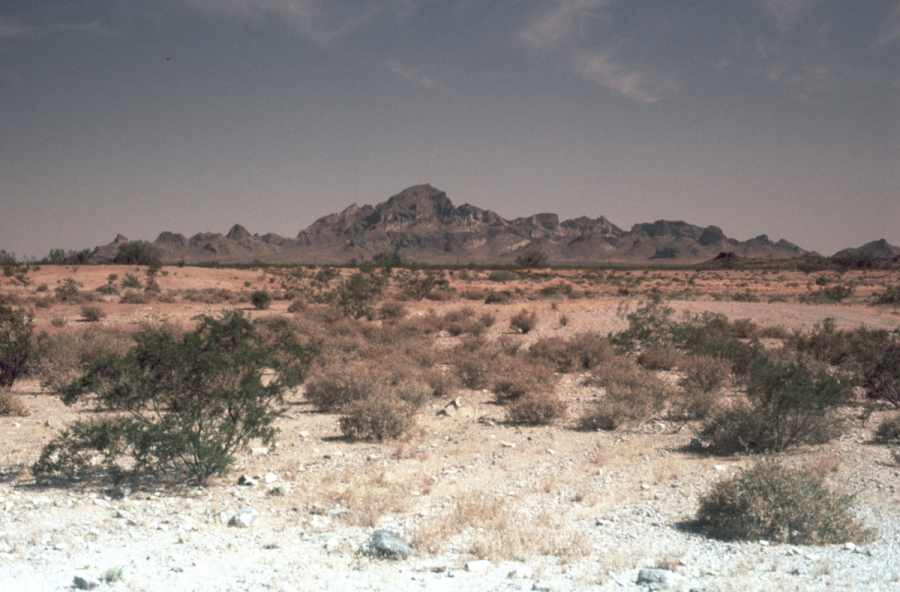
(424,225)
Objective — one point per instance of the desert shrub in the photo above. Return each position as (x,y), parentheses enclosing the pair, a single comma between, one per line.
(474,359)
(334,385)
(16,326)
(107,290)
(58,321)
(415,285)
(460,314)
(10,405)
(888,431)
(515,378)
(498,297)
(487,319)
(260,299)
(502,276)
(772,502)
(57,359)
(648,326)
(532,259)
(178,405)
(67,290)
(297,305)
(132,297)
(442,383)
(138,253)
(92,314)
(827,295)
(580,352)
(356,295)
(441,295)
(131,282)
(632,394)
(41,288)
(474,294)
(891,295)
(660,358)
(788,405)
(536,408)
(523,321)
(882,375)
(393,310)
(382,417)
(704,373)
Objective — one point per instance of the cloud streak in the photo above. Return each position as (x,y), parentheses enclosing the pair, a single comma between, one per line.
(411,75)
(569,18)
(320,21)
(13,29)
(890,31)
(643,86)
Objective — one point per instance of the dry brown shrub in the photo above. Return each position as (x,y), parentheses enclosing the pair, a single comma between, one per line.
(11,406)
(460,314)
(582,351)
(537,408)
(477,295)
(516,377)
(134,297)
(57,359)
(339,383)
(441,382)
(474,359)
(524,321)
(705,373)
(632,394)
(439,295)
(384,416)
(392,310)
(660,358)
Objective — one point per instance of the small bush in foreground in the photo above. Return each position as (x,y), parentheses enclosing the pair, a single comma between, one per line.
(10,406)
(888,430)
(92,314)
(180,405)
(382,417)
(523,321)
(516,378)
(582,351)
(15,343)
(536,408)
(775,503)
(882,377)
(260,299)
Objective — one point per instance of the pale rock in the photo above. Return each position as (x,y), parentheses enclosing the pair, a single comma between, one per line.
(386,544)
(84,583)
(244,518)
(478,566)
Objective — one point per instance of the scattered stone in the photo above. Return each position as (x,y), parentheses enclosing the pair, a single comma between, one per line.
(849,546)
(244,518)
(508,444)
(551,451)
(523,571)
(277,491)
(720,467)
(247,481)
(119,493)
(764,543)
(658,577)
(338,512)
(101,502)
(270,478)
(83,583)
(386,544)
(644,486)
(261,451)
(332,544)
(812,556)
(458,408)
(541,586)
(478,566)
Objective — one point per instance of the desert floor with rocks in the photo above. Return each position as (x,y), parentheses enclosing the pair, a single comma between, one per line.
(484,504)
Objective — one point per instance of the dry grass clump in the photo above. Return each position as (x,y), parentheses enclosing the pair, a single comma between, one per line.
(92,314)
(580,352)
(475,361)
(392,309)
(515,378)
(383,416)
(772,502)
(57,359)
(632,394)
(10,405)
(524,321)
(704,373)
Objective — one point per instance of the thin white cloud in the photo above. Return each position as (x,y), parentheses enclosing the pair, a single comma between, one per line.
(12,29)
(644,86)
(411,75)
(567,19)
(890,31)
(320,21)
(786,12)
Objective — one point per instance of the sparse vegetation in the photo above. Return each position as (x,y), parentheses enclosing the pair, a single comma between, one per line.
(523,321)
(260,299)
(16,326)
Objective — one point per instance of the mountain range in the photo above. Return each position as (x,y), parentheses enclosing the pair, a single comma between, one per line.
(424,225)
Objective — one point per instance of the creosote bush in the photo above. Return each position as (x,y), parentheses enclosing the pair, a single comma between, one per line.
(788,405)
(583,351)
(632,394)
(10,405)
(16,326)
(178,405)
(888,431)
(92,314)
(775,503)
(539,407)
(260,299)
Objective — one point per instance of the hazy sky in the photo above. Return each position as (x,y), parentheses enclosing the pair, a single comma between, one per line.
(778,117)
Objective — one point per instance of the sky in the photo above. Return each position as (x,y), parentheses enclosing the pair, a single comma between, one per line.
(777,117)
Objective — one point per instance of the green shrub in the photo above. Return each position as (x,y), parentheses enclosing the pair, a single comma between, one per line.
(648,326)
(178,405)
(891,295)
(827,295)
(532,259)
(882,375)
(67,290)
(502,276)
(107,290)
(888,430)
(415,285)
(131,282)
(15,343)
(92,314)
(789,405)
(356,295)
(138,253)
(260,299)
(524,321)
(775,503)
